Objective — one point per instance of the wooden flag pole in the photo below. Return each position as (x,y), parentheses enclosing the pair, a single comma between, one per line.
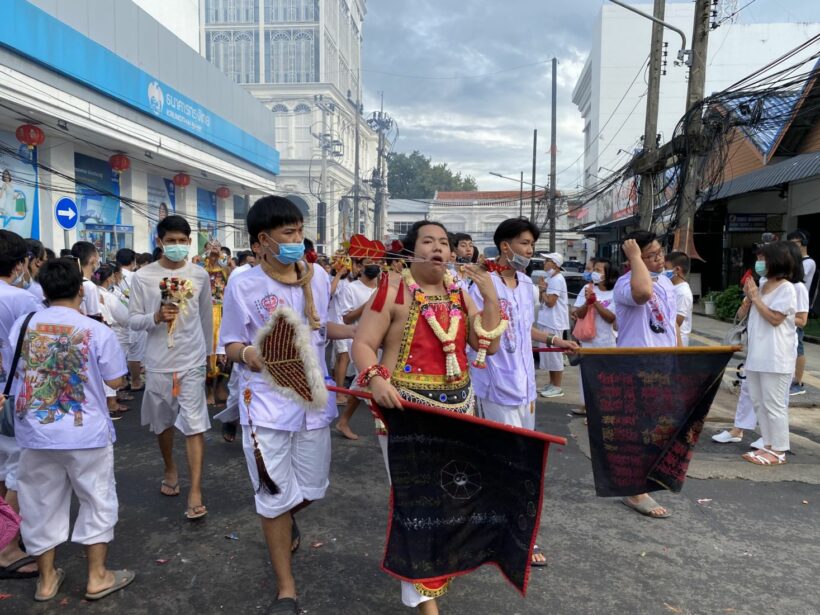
(642,350)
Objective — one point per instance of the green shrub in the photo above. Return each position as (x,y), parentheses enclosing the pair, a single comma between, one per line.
(728,302)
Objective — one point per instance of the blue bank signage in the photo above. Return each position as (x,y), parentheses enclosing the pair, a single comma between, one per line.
(67,51)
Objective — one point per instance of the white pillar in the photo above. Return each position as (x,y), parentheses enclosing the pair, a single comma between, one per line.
(224,215)
(134,185)
(60,157)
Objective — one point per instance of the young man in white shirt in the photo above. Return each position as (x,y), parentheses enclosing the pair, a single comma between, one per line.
(554,318)
(178,324)
(293,442)
(127,260)
(14,303)
(66,435)
(88,258)
(351,305)
(801,238)
(676,268)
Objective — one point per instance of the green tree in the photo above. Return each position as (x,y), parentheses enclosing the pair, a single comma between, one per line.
(413,176)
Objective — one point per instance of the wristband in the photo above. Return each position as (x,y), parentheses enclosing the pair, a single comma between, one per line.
(242,355)
(364,378)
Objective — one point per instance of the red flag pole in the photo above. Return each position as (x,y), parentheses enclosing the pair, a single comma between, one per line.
(462,417)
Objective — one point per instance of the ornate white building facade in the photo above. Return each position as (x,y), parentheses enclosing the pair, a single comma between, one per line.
(302,59)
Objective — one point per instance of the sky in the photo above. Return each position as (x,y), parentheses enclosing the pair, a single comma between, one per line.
(468,80)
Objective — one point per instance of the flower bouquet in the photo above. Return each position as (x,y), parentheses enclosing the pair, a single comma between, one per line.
(175,291)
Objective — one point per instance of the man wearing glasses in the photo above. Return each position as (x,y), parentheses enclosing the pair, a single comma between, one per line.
(645,310)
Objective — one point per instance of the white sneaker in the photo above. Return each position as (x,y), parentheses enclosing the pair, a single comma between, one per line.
(758,444)
(725,436)
(552,391)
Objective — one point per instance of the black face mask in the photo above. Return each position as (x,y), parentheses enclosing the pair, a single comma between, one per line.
(372,271)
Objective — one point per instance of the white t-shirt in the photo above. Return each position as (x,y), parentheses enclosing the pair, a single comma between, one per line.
(90,305)
(250,300)
(685,301)
(555,318)
(37,290)
(604,332)
(193,325)
(772,349)
(334,314)
(62,404)
(509,378)
(802,297)
(354,295)
(809,269)
(14,302)
(650,324)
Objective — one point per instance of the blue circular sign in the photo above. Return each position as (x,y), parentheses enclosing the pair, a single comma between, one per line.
(66,213)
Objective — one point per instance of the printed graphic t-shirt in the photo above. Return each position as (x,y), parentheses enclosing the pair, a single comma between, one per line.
(61,400)
(651,324)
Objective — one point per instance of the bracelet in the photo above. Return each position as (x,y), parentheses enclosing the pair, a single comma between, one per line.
(551,341)
(485,338)
(242,354)
(364,378)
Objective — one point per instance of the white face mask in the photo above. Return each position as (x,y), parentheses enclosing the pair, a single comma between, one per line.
(596,277)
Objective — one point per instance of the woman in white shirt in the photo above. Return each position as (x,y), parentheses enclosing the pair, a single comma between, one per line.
(598,296)
(771,353)
(115,314)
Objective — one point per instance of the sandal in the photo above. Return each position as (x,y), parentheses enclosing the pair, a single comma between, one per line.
(12,571)
(122,578)
(759,459)
(174,489)
(536,550)
(47,597)
(284,606)
(229,431)
(645,507)
(196,512)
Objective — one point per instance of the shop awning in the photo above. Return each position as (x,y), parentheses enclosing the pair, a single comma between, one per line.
(792,169)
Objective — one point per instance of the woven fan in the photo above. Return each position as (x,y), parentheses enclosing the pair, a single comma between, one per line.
(289,355)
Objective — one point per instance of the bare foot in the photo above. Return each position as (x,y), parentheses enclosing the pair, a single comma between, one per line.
(344,429)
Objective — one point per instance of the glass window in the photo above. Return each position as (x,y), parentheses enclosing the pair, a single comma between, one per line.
(288,11)
(402,228)
(302,121)
(231,11)
(293,54)
(234,53)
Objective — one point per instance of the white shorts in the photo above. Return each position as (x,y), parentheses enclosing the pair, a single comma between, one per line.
(9,461)
(297,461)
(45,483)
(517,416)
(136,349)
(341,346)
(550,361)
(188,411)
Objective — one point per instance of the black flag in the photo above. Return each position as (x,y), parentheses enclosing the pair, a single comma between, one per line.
(465,492)
(645,409)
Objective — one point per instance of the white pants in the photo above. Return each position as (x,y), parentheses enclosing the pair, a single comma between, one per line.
(769,394)
(45,481)
(745,413)
(518,416)
(187,410)
(136,347)
(297,461)
(9,461)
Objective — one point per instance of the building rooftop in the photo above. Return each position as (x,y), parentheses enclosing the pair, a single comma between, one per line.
(469,197)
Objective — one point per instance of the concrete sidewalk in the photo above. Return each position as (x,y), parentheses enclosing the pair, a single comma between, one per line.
(714,460)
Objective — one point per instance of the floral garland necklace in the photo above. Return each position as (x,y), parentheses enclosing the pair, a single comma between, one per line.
(447,338)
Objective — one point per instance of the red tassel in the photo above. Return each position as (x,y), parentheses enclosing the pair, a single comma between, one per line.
(400,294)
(381,293)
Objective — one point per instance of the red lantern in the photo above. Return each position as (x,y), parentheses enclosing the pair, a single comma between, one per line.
(181,180)
(119,163)
(30,135)
(222,192)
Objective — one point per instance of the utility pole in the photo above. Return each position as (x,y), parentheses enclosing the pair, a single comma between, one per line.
(684,238)
(324,141)
(383,124)
(646,193)
(553,152)
(521,196)
(534,156)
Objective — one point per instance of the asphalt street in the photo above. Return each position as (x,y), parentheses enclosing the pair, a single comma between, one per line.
(731,546)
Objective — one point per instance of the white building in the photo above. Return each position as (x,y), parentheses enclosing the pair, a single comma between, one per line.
(105,85)
(610,92)
(478,213)
(301,58)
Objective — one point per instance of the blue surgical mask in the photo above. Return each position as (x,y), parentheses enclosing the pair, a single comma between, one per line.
(223,262)
(587,276)
(176,253)
(669,273)
(289,253)
(760,268)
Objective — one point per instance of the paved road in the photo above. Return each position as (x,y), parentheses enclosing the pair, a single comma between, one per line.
(753,547)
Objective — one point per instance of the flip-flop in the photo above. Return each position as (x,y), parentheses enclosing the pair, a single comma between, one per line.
(60,579)
(122,578)
(229,431)
(645,507)
(295,537)
(11,571)
(536,550)
(196,512)
(579,411)
(284,606)
(174,488)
